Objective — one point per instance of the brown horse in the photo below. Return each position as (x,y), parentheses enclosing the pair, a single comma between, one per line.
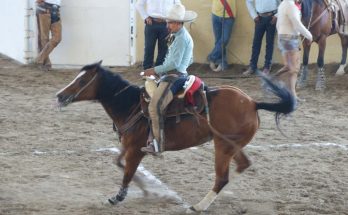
(323,18)
(232,113)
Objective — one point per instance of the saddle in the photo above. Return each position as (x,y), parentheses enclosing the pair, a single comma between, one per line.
(179,107)
(339,9)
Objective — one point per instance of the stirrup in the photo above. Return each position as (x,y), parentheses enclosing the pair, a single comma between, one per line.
(152,148)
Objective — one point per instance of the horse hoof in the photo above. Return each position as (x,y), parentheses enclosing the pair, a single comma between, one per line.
(339,72)
(320,88)
(191,210)
(113,201)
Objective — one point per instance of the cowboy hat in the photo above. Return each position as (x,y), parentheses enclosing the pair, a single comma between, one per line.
(178,13)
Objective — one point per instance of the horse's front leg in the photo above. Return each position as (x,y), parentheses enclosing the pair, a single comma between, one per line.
(133,157)
(344,45)
(320,84)
(302,80)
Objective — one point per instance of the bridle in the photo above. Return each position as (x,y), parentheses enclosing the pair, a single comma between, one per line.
(74,96)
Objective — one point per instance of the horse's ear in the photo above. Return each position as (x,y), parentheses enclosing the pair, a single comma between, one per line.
(100,62)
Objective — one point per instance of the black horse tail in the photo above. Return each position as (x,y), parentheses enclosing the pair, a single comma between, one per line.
(286,103)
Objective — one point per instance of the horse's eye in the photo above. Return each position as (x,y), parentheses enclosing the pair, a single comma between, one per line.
(82,83)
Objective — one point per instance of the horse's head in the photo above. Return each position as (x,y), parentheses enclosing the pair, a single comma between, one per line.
(82,88)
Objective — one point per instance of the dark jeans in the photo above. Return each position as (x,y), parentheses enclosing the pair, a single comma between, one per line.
(221,25)
(262,27)
(156,32)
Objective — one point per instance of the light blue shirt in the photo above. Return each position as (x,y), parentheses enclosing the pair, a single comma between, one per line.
(180,54)
(261,6)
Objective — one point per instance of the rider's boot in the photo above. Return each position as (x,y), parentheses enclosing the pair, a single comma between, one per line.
(152,148)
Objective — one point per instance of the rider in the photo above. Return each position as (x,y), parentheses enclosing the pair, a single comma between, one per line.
(171,72)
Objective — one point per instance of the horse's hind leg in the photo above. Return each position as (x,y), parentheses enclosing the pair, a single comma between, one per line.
(344,44)
(132,158)
(223,156)
(242,161)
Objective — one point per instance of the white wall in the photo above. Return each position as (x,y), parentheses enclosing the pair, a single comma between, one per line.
(12,24)
(93,31)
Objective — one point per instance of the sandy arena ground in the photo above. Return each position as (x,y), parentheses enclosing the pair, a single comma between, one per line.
(62,162)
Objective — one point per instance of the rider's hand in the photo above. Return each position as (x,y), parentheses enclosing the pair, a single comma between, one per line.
(150,72)
(148,21)
(274,20)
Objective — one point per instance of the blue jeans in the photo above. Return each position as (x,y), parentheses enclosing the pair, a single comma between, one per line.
(288,43)
(156,32)
(222,28)
(262,27)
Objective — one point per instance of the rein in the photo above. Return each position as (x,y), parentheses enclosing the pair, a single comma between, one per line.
(327,9)
(121,91)
(133,118)
(216,132)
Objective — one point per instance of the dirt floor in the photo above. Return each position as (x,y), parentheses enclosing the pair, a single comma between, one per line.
(55,162)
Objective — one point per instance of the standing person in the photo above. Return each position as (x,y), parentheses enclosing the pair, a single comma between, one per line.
(153,11)
(263,12)
(223,16)
(289,27)
(172,72)
(48,21)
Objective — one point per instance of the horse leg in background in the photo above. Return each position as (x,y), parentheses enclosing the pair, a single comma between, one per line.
(320,83)
(302,80)
(344,44)
(223,156)
(133,157)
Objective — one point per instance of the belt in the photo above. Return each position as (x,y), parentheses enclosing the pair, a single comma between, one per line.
(46,7)
(158,19)
(271,13)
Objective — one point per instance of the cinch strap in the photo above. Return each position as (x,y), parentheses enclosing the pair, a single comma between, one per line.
(227,7)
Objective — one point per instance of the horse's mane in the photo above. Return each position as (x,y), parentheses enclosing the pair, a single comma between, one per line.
(110,85)
(307,7)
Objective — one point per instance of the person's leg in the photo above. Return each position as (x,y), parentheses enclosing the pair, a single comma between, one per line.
(260,29)
(270,35)
(295,64)
(150,43)
(282,70)
(288,74)
(56,33)
(228,26)
(44,23)
(162,43)
(159,101)
(217,29)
